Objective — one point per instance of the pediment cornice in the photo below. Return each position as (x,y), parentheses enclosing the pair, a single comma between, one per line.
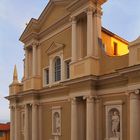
(35,24)
(55,47)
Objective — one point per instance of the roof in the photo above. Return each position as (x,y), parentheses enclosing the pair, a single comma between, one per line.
(114,35)
(5,127)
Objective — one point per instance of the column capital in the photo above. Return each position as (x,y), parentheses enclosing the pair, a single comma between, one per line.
(17,107)
(90,10)
(12,107)
(73,100)
(89,99)
(98,12)
(73,20)
(25,106)
(97,99)
(34,104)
(134,94)
(35,44)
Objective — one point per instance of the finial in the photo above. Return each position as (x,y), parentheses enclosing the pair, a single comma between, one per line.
(15,75)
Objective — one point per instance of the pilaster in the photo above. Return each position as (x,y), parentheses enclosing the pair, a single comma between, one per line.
(98,118)
(26,63)
(17,123)
(90,118)
(26,130)
(34,61)
(12,122)
(74,124)
(34,121)
(134,115)
(90,31)
(74,39)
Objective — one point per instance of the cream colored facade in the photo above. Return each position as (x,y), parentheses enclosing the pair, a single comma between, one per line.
(71,89)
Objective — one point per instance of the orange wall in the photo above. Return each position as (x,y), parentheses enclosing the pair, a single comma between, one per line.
(109,40)
(6,136)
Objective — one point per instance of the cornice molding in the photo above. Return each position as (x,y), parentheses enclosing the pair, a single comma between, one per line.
(130,69)
(36,24)
(104,82)
(46,32)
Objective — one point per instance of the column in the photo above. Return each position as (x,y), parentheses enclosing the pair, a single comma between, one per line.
(34,68)
(96,32)
(39,61)
(98,119)
(89,32)
(26,63)
(74,40)
(26,129)
(12,123)
(40,122)
(17,128)
(134,116)
(74,124)
(90,116)
(34,122)
(98,15)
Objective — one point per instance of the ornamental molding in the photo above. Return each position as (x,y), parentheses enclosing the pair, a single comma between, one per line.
(34,25)
(55,47)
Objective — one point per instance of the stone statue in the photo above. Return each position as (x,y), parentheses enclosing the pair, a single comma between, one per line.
(57,122)
(115,124)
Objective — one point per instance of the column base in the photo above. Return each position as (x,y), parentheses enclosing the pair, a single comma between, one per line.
(114,138)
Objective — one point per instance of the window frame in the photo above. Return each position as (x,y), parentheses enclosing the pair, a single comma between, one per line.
(57,69)
(67,76)
(45,83)
(115,48)
(1,134)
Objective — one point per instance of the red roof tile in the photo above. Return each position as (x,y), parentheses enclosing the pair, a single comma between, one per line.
(5,127)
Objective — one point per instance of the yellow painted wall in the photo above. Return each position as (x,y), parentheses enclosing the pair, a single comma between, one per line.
(109,40)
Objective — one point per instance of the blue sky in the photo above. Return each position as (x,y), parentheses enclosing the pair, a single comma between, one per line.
(121,17)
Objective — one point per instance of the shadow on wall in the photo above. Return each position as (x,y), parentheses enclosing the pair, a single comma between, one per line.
(111,63)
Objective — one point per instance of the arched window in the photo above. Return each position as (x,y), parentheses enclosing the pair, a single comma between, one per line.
(57,69)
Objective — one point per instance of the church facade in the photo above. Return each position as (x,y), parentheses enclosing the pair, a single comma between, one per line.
(80,81)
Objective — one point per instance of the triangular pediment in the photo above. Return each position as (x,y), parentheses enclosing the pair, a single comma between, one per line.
(54,10)
(55,47)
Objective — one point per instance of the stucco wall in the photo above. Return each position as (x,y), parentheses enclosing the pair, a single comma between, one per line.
(109,64)
(65,120)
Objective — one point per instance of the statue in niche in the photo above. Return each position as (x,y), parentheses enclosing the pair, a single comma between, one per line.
(57,123)
(115,124)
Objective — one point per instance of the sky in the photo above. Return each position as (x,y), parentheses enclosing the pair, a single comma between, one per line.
(120,17)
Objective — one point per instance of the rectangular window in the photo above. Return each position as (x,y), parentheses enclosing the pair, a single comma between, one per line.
(115,48)
(67,69)
(46,72)
(1,134)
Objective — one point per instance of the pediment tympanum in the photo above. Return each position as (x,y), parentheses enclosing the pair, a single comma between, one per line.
(55,47)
